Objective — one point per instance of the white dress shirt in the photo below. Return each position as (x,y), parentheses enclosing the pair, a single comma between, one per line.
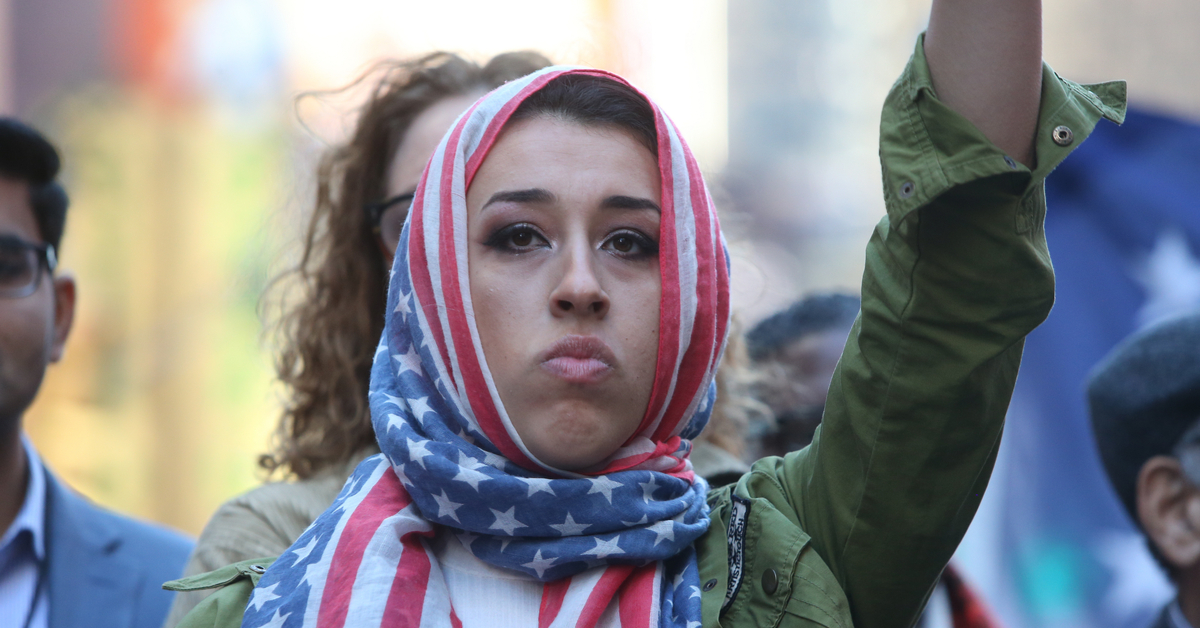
(23,553)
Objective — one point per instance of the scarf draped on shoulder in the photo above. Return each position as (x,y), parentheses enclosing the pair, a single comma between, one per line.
(451,459)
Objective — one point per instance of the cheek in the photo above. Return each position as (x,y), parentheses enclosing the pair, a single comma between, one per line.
(25,340)
(639,324)
(505,305)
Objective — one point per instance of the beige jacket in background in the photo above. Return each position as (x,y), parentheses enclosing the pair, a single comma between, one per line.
(261,522)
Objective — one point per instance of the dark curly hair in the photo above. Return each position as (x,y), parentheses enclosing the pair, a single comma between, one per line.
(329,335)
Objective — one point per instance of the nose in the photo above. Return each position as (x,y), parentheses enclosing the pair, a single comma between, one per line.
(579,292)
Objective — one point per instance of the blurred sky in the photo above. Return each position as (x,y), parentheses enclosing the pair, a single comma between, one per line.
(188,159)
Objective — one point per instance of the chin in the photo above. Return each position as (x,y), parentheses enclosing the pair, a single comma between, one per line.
(573,440)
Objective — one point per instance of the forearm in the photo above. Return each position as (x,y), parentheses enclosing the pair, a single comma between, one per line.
(985,57)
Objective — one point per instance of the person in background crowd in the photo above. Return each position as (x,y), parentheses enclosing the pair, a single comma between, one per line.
(720,453)
(329,334)
(1144,399)
(796,351)
(556,314)
(64,562)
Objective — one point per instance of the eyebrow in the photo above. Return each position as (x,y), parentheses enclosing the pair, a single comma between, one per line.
(541,195)
(629,202)
(530,196)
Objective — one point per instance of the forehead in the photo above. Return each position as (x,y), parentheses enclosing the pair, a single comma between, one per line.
(16,214)
(421,139)
(548,150)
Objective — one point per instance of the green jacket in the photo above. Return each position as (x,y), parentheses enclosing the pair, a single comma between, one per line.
(855,529)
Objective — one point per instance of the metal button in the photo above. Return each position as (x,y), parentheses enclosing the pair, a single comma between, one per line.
(770,581)
(1062,135)
(708,586)
(258,569)
(906,189)
(1009,160)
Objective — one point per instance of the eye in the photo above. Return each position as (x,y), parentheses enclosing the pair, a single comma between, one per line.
(521,237)
(623,243)
(631,244)
(517,238)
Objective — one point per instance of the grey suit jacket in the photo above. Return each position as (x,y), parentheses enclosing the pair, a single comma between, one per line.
(105,570)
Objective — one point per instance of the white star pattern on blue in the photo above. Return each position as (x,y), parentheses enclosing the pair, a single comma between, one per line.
(410,361)
(468,462)
(418,452)
(470,476)
(604,549)
(493,460)
(1170,275)
(539,564)
(262,595)
(277,620)
(395,401)
(640,522)
(313,573)
(303,552)
(603,486)
(664,531)
(569,527)
(538,485)
(648,489)
(506,521)
(420,407)
(401,475)
(446,507)
(402,306)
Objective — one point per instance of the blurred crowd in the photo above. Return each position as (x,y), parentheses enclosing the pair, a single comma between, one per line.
(1131,338)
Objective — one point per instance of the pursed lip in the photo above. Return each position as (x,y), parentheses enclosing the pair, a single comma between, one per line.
(579,359)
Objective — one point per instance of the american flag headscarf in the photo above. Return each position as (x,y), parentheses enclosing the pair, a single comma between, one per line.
(614,547)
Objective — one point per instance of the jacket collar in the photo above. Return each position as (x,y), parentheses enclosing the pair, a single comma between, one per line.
(32,515)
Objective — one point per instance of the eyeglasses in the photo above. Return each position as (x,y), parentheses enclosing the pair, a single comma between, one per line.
(387,218)
(21,265)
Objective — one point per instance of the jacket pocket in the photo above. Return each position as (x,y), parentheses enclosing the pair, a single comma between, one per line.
(816,599)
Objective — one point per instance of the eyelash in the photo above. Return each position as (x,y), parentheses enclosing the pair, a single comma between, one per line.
(501,240)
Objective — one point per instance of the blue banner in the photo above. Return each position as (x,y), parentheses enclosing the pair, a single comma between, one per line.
(1052,546)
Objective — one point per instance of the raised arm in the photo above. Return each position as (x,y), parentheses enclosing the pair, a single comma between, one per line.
(956,275)
(985,58)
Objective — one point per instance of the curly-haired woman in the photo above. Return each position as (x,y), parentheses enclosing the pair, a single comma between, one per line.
(329,334)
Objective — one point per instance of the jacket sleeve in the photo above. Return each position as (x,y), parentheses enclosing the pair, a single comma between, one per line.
(236,532)
(229,589)
(957,274)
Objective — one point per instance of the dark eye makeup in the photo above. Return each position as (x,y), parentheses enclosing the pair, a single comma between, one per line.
(516,238)
(523,237)
(632,244)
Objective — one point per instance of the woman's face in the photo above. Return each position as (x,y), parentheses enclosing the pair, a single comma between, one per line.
(414,151)
(563,223)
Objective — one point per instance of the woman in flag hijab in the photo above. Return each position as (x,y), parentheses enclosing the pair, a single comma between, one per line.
(558,306)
